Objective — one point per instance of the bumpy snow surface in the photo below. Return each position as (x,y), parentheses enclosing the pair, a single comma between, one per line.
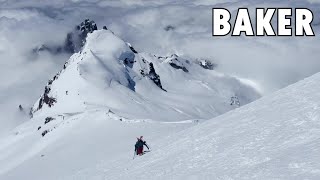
(103,104)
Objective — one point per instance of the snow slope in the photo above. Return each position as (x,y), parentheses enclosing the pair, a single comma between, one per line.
(77,142)
(275,137)
(103,103)
(104,97)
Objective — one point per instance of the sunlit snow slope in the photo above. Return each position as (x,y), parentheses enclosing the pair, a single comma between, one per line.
(276,137)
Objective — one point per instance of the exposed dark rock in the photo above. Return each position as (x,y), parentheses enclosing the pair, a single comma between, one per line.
(174,61)
(56,77)
(178,67)
(110,111)
(206,64)
(44,133)
(50,81)
(20,107)
(87,26)
(31,113)
(48,119)
(46,99)
(39,128)
(133,50)
(142,72)
(77,38)
(154,76)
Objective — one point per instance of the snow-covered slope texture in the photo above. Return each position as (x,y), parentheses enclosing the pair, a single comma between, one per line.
(275,137)
(110,73)
(62,146)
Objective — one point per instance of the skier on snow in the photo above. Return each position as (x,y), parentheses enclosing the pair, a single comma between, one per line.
(139,146)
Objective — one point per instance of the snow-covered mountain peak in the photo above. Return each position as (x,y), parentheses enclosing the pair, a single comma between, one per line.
(103,59)
(109,73)
(106,42)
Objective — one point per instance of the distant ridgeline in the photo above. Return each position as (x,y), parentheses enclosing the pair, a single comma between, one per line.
(288,20)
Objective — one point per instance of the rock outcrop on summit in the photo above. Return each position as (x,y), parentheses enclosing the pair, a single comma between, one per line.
(77,38)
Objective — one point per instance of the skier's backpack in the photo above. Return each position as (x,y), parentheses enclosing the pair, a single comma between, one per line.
(139,144)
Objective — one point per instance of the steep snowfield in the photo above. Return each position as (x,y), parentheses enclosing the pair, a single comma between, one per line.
(275,137)
(93,139)
(76,142)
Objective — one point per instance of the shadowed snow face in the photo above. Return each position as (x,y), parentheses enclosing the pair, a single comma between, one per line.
(160,27)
